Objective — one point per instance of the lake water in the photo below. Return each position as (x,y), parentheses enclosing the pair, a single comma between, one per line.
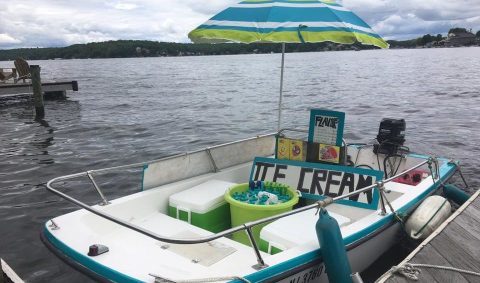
(132,110)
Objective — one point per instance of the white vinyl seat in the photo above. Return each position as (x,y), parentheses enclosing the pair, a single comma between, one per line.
(294,230)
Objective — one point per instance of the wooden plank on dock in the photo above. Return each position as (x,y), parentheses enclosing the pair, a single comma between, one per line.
(7,275)
(456,244)
(8,89)
(433,257)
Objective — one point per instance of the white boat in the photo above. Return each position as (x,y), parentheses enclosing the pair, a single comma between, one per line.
(147,243)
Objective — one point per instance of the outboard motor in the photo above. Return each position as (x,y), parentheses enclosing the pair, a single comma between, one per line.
(391,136)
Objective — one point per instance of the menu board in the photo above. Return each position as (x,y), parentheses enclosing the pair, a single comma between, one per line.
(326,127)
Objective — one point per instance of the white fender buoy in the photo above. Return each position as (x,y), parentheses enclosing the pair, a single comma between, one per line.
(432,212)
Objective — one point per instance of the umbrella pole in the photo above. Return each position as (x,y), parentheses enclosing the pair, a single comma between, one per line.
(281,88)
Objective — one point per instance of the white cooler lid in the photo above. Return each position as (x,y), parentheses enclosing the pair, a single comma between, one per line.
(201,198)
(296,229)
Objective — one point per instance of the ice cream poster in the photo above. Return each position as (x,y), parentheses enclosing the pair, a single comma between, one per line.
(326,127)
(328,153)
(283,148)
(291,149)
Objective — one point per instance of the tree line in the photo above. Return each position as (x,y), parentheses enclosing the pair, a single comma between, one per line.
(144,48)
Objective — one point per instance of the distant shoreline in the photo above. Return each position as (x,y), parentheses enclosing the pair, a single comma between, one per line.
(143,48)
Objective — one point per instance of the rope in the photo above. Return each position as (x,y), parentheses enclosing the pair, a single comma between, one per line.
(463,178)
(412,270)
(431,171)
(407,270)
(159,279)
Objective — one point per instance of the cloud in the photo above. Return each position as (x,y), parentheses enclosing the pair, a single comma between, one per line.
(125,6)
(45,23)
(7,39)
(412,18)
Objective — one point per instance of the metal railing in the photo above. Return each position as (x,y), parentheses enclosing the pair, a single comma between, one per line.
(247,226)
(104,201)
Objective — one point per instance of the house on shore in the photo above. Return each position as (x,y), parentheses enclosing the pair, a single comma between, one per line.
(460,38)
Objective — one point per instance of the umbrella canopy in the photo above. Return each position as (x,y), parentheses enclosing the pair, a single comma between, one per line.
(286,21)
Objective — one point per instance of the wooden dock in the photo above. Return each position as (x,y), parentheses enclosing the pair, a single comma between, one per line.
(454,245)
(7,275)
(49,88)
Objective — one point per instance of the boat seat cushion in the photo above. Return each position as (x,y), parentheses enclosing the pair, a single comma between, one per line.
(293,230)
(201,198)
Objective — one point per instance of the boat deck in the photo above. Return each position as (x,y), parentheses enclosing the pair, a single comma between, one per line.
(454,244)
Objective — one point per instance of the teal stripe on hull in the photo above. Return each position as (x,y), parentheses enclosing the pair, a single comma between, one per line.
(87,262)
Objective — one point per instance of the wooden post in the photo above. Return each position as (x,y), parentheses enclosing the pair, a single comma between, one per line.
(37,91)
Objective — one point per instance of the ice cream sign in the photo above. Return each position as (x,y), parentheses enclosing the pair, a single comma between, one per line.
(317,180)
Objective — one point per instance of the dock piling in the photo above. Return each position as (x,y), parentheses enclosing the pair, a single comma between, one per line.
(37,91)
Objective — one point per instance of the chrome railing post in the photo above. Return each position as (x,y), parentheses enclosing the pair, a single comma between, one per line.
(380,188)
(260,262)
(212,161)
(104,200)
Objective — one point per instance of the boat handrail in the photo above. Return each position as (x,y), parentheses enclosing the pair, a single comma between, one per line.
(90,173)
(140,164)
(247,226)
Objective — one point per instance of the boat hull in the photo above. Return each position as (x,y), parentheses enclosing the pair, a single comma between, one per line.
(361,255)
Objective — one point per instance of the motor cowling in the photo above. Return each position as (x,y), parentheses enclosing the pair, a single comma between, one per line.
(391,136)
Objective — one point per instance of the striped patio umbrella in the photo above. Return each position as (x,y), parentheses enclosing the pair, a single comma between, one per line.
(286,21)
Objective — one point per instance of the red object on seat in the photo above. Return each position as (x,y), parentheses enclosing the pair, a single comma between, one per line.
(412,178)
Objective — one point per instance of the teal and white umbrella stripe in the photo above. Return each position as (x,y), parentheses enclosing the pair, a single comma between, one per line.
(286,21)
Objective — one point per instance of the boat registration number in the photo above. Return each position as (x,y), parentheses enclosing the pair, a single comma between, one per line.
(311,274)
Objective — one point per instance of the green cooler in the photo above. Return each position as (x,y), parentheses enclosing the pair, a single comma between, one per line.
(203,206)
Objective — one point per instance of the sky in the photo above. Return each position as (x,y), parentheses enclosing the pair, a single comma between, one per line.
(57,23)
